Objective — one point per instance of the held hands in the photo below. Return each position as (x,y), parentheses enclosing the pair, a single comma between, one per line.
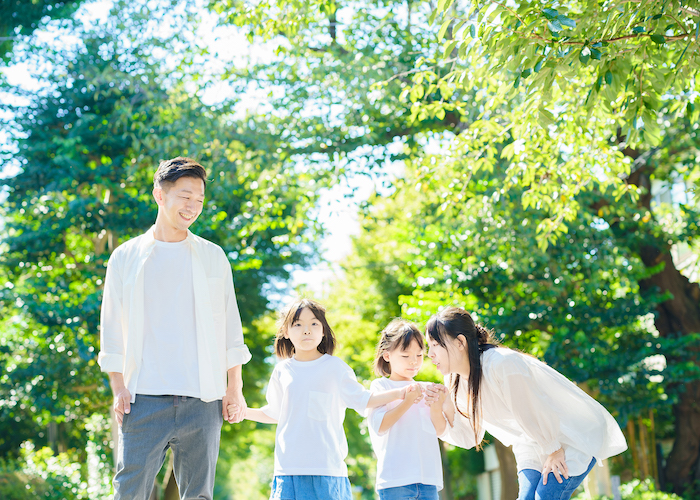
(122,404)
(435,394)
(555,463)
(234,406)
(413,393)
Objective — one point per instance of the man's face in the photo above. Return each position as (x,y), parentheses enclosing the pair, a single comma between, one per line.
(180,203)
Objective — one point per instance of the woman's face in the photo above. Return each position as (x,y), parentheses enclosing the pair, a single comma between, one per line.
(438,355)
(447,359)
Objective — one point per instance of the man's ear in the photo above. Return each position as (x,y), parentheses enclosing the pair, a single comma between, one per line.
(158,195)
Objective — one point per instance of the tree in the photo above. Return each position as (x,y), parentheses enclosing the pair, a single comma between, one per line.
(86,147)
(582,106)
(19,19)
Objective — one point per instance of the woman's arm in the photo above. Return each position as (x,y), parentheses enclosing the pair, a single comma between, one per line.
(436,409)
(413,394)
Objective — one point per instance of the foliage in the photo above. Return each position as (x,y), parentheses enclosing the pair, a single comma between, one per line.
(637,490)
(42,474)
(87,145)
(19,18)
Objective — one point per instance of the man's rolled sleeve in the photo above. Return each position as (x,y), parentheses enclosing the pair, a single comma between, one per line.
(111,356)
(237,356)
(237,352)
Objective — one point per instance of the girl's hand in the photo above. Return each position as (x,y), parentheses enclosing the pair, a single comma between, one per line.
(232,409)
(555,463)
(435,393)
(413,393)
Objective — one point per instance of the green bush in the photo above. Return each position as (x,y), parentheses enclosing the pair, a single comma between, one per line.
(637,490)
(42,475)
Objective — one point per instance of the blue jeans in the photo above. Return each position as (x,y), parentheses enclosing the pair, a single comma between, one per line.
(310,488)
(416,491)
(531,487)
(189,426)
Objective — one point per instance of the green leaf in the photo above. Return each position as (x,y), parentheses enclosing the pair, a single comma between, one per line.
(443,29)
(472,31)
(448,49)
(432,17)
(525,73)
(608,77)
(638,29)
(550,13)
(584,56)
(596,54)
(565,21)
(443,5)
(658,39)
(538,66)
(554,26)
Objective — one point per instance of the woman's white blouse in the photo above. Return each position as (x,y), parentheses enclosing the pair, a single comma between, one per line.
(531,406)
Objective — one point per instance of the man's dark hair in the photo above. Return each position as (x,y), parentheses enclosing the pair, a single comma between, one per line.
(169,171)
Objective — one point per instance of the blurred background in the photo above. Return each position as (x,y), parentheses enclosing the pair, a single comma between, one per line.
(536,164)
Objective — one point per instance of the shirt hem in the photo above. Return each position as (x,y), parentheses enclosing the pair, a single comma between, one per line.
(311,472)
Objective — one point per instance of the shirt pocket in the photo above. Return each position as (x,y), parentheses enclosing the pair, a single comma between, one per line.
(216,294)
(319,405)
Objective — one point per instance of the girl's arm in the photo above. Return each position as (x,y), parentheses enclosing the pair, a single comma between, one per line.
(256,415)
(384,397)
(413,393)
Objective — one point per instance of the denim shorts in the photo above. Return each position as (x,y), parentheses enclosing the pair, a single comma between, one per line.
(531,487)
(310,488)
(416,491)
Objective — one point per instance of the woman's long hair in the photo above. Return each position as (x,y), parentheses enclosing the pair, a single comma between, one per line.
(452,322)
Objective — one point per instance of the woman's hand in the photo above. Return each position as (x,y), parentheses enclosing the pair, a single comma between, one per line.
(413,393)
(555,463)
(435,394)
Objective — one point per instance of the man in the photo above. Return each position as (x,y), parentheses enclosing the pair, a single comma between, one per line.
(172,343)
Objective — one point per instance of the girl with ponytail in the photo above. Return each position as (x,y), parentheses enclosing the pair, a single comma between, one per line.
(557,431)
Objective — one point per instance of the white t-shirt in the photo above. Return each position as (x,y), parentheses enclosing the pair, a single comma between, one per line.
(408,453)
(169,363)
(531,406)
(308,399)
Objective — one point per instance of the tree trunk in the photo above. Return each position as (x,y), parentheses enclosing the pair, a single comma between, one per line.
(509,471)
(676,317)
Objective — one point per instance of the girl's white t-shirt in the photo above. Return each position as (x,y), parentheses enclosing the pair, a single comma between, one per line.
(537,410)
(409,452)
(170,363)
(308,399)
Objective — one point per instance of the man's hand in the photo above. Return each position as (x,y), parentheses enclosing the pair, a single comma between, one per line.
(555,463)
(234,406)
(122,396)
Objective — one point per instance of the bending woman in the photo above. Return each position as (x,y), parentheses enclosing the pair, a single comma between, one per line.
(557,430)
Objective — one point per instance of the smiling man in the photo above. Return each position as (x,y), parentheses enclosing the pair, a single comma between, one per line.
(172,343)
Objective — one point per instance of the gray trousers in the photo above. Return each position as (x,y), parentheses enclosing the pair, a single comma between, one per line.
(189,426)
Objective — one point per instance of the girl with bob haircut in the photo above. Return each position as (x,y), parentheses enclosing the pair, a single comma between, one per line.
(405,434)
(308,393)
(558,432)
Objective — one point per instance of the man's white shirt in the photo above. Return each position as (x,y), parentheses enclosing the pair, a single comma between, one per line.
(218,334)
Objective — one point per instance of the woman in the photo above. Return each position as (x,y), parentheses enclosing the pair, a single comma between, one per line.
(558,432)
